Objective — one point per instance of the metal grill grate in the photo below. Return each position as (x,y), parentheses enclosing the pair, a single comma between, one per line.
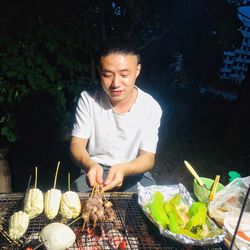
(131,226)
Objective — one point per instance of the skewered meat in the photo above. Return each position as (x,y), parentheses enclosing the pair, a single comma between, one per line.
(70,206)
(18,224)
(33,205)
(57,236)
(52,203)
(97,208)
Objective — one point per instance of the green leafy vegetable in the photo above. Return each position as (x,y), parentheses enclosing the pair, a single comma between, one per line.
(178,218)
(197,214)
(157,210)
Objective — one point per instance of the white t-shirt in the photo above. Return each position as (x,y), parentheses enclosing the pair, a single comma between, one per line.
(117,138)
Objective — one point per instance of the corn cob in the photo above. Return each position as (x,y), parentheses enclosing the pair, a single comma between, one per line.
(18,224)
(33,205)
(70,206)
(52,203)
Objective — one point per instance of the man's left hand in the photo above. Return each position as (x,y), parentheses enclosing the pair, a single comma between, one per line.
(115,177)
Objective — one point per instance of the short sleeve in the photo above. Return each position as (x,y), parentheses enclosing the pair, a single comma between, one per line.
(82,124)
(151,129)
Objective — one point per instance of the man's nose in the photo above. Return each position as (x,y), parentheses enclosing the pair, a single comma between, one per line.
(116,81)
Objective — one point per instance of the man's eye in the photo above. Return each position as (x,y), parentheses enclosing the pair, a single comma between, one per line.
(106,75)
(124,75)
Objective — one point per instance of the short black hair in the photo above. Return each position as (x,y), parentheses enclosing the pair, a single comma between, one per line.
(121,45)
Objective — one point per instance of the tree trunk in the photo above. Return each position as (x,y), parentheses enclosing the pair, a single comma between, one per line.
(5,176)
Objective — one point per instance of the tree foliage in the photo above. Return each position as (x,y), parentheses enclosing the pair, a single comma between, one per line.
(51,46)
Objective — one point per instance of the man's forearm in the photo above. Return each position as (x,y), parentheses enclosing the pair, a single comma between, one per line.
(143,163)
(80,155)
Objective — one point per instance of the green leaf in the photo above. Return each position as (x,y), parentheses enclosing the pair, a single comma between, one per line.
(38,60)
(1,99)
(30,78)
(8,133)
(16,94)
(30,62)
(3,118)
(11,73)
(51,74)
(20,77)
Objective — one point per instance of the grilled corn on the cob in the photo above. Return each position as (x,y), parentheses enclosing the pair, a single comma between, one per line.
(18,224)
(33,205)
(70,206)
(52,203)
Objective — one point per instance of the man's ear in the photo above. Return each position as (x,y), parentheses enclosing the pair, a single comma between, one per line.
(138,70)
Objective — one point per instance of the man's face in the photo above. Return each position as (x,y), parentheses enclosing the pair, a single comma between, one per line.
(118,74)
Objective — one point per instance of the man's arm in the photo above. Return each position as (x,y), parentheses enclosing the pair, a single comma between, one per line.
(79,153)
(143,163)
(81,158)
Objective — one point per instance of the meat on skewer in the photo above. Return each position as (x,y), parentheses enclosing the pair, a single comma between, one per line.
(97,208)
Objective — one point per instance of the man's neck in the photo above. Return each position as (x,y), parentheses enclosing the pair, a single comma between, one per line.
(124,106)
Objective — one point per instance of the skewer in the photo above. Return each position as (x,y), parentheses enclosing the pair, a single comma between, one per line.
(103,193)
(39,245)
(28,186)
(26,193)
(57,168)
(35,177)
(83,226)
(196,176)
(75,220)
(69,181)
(215,185)
(93,190)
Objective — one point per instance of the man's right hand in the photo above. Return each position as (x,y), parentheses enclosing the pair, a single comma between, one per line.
(95,173)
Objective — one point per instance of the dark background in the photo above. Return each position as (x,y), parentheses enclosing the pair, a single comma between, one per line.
(51,45)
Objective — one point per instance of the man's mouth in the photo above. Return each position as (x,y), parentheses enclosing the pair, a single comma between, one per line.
(116,92)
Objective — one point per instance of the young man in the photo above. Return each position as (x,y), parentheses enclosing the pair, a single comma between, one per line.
(115,133)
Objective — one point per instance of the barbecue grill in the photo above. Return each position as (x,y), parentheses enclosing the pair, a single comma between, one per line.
(131,223)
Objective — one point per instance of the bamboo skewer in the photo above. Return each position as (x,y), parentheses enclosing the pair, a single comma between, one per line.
(39,245)
(196,176)
(35,177)
(69,181)
(215,185)
(57,168)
